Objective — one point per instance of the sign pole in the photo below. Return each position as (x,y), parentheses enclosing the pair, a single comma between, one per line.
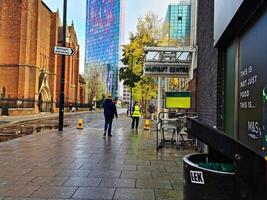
(131,95)
(62,81)
(166,90)
(159,96)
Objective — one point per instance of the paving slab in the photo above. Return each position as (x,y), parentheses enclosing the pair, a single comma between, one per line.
(158,168)
(168,195)
(154,184)
(49,181)
(83,182)
(17,190)
(94,193)
(136,174)
(81,164)
(134,194)
(105,173)
(54,192)
(73,173)
(123,167)
(16,180)
(117,183)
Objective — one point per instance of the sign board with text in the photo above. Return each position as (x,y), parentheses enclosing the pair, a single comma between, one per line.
(63,51)
(252,128)
(178,100)
(165,69)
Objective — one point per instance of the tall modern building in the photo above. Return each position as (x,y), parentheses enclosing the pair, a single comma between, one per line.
(178,22)
(103,37)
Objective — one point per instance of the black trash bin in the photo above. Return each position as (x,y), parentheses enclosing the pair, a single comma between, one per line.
(230,170)
(201,183)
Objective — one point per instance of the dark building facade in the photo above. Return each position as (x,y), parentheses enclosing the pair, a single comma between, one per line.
(240,35)
(232,69)
(232,81)
(207,80)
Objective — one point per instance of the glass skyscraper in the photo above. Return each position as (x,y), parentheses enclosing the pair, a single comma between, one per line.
(178,23)
(103,22)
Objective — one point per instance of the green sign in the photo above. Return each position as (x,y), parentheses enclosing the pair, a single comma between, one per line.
(179,100)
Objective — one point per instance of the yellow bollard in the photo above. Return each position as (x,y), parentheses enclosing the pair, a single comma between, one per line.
(80,124)
(147,124)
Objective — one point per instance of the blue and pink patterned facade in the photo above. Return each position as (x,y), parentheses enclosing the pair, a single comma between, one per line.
(103,23)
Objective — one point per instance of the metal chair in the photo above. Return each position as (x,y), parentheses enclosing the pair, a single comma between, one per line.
(176,123)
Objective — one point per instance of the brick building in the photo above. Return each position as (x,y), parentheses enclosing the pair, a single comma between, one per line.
(71,67)
(29,70)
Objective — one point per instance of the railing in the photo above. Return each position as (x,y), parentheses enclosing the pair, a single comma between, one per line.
(30,103)
(16,103)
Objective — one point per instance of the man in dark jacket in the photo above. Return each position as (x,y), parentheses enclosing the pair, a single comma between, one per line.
(109,111)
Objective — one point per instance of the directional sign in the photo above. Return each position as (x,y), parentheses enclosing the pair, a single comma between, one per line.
(64,51)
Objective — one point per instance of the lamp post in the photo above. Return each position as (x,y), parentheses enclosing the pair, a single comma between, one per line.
(62,81)
(131,88)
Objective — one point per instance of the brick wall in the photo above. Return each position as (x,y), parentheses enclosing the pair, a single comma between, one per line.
(207,64)
(72,88)
(9,32)
(28,35)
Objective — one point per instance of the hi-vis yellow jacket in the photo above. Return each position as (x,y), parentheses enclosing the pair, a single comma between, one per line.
(136,112)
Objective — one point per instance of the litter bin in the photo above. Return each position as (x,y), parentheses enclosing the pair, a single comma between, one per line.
(230,170)
(208,181)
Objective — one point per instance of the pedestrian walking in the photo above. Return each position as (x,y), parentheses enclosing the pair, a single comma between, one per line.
(151,110)
(136,114)
(110,111)
(129,110)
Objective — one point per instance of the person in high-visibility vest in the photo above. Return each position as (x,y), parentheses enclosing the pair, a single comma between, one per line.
(136,114)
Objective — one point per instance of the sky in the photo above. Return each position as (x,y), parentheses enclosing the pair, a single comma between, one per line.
(134,9)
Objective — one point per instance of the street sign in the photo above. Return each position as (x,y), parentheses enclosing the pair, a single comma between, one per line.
(64,51)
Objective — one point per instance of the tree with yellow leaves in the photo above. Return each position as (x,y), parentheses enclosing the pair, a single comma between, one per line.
(149,33)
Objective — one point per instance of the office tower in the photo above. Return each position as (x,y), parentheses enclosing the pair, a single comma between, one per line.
(177,24)
(103,36)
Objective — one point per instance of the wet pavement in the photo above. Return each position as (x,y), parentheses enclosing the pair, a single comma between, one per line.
(26,125)
(81,164)
(3,122)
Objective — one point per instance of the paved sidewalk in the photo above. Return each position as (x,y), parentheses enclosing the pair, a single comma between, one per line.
(7,120)
(20,118)
(81,164)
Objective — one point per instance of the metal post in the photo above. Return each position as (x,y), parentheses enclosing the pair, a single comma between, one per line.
(159,97)
(131,95)
(62,81)
(166,79)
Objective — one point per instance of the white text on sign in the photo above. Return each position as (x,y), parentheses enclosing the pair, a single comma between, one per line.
(63,51)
